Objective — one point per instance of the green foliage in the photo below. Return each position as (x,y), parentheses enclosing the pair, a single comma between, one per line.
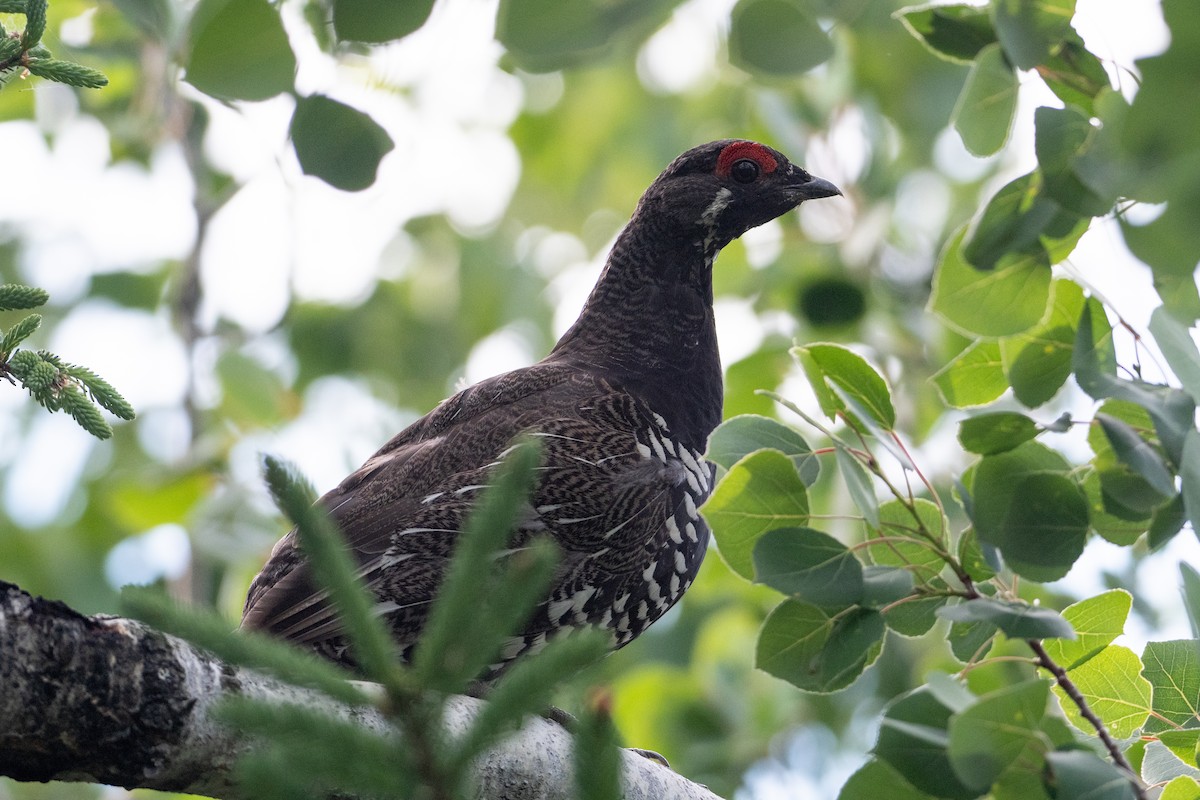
(238,50)
(378,20)
(776,37)
(985,110)
(52,382)
(542,35)
(597,757)
(740,436)
(304,747)
(14,296)
(338,144)
(26,53)
(760,492)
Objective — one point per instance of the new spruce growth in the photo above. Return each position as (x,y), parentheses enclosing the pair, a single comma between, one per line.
(23,54)
(304,751)
(55,384)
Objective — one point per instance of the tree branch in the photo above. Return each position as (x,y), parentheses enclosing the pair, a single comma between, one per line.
(1072,691)
(110,700)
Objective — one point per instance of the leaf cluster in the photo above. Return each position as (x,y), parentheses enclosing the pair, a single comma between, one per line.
(478,608)
(1028,514)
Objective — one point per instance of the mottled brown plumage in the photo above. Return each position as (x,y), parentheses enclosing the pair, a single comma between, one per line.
(623,407)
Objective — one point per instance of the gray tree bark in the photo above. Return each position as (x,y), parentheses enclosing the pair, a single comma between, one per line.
(110,700)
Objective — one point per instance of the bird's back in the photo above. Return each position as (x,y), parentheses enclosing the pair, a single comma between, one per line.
(615,491)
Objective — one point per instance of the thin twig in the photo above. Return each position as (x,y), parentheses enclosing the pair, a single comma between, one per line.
(1072,691)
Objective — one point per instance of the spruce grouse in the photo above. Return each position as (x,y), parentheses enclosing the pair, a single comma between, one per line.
(623,406)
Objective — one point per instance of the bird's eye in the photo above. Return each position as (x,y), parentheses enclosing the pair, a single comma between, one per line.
(745,170)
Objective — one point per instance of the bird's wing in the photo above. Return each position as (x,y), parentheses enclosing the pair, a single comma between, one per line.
(401,512)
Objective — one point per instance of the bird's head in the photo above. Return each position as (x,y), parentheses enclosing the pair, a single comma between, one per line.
(716,192)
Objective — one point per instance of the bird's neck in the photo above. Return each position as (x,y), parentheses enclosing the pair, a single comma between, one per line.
(648,327)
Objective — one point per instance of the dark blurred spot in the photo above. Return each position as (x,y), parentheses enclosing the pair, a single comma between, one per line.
(832,301)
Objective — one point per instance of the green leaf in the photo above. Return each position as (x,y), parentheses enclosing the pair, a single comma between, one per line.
(975,376)
(1119,531)
(1030,30)
(1026,506)
(972,558)
(736,438)
(1096,621)
(817,651)
(378,21)
(1081,775)
(829,402)
(1135,452)
(983,115)
(759,493)
(914,617)
(898,541)
(338,144)
(954,32)
(810,565)
(1179,349)
(1063,136)
(1000,302)
(154,18)
(1181,787)
(951,691)
(884,585)
(877,779)
(991,735)
(1173,670)
(544,35)
(1189,473)
(1074,74)
(859,484)
(1093,360)
(1191,595)
(1172,410)
(1010,226)
(1168,520)
(776,38)
(913,740)
(239,50)
(970,641)
(997,432)
(1113,687)
(1042,366)
(851,373)
(1184,744)
(1017,619)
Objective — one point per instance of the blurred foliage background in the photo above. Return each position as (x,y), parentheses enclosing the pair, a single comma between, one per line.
(244,306)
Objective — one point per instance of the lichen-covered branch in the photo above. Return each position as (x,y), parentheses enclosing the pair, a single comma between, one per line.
(110,700)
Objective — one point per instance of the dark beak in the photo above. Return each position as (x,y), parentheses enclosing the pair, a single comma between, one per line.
(815,188)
